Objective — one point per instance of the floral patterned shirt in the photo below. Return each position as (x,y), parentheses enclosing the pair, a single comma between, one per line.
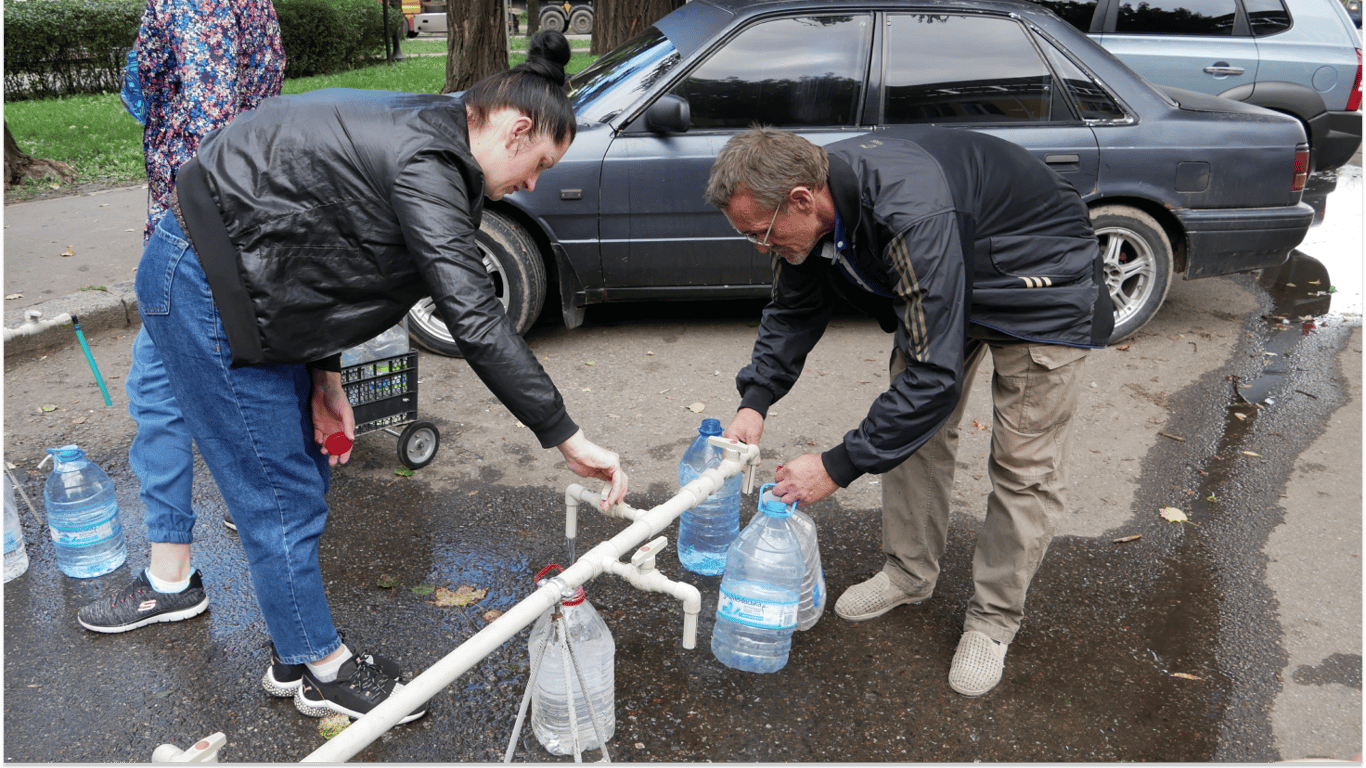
(200,62)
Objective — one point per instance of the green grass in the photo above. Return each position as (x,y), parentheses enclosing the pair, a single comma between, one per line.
(104,144)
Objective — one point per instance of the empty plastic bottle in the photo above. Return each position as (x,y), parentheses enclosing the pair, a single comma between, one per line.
(757,609)
(706,531)
(594,651)
(812,604)
(16,554)
(83,515)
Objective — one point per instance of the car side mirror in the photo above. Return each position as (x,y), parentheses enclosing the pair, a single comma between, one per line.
(669,114)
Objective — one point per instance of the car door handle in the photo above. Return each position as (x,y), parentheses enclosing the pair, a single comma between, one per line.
(1223,68)
(1062,159)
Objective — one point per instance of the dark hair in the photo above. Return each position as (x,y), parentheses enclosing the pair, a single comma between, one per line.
(536,88)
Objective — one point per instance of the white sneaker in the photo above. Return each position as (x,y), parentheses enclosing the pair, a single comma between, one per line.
(978,664)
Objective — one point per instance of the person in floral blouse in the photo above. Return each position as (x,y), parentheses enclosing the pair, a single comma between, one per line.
(200,63)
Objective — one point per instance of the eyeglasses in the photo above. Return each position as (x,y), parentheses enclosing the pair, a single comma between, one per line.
(764,242)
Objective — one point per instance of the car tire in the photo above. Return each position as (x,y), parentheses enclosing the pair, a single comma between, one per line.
(581,21)
(553,19)
(1138,265)
(514,262)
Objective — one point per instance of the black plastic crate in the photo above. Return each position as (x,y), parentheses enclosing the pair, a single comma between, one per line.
(383,393)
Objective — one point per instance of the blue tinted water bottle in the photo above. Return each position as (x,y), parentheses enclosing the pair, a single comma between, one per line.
(83,515)
(705,531)
(757,609)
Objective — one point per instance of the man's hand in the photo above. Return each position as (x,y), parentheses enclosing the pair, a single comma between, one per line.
(331,411)
(587,459)
(747,427)
(803,479)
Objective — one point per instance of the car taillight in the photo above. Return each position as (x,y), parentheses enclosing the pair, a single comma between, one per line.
(1354,101)
(1301,170)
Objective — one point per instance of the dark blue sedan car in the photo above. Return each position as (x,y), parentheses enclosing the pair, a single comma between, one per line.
(1179,183)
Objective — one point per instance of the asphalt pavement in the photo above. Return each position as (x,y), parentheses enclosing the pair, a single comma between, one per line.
(1237,638)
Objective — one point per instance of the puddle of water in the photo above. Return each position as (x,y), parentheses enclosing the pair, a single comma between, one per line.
(1337,242)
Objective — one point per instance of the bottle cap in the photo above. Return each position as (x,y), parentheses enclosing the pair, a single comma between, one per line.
(773,506)
(710,427)
(338,443)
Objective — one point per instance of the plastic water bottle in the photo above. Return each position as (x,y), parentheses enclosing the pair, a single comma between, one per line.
(83,515)
(757,609)
(595,652)
(16,554)
(812,604)
(706,531)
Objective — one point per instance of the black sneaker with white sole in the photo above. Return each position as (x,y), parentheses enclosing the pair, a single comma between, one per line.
(282,680)
(137,605)
(227,520)
(361,685)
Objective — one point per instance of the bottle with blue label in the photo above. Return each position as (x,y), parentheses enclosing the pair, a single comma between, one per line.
(83,515)
(756,611)
(706,531)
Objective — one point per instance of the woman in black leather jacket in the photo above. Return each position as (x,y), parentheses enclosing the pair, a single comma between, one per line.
(302,228)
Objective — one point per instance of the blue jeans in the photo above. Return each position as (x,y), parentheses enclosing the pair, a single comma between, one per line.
(254,428)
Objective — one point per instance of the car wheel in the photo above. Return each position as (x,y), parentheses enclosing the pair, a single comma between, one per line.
(581,21)
(514,262)
(553,19)
(1138,265)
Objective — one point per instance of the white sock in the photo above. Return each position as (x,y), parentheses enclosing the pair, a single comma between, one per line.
(326,671)
(169,587)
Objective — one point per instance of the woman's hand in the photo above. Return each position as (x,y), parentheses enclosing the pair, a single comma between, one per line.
(587,459)
(331,412)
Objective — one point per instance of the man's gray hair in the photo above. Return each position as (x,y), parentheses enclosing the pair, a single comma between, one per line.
(768,163)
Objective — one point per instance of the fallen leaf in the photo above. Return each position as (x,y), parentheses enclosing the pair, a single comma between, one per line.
(1289,285)
(49,408)
(980,426)
(696,407)
(332,725)
(1172,514)
(1123,348)
(78,420)
(649,353)
(591,362)
(403,472)
(1123,539)
(385,581)
(69,252)
(1240,416)
(493,615)
(1315,282)
(1185,676)
(462,596)
(424,589)
(13,296)
(162,694)
(1250,453)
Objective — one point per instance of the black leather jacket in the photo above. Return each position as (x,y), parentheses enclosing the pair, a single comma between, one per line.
(949,235)
(321,218)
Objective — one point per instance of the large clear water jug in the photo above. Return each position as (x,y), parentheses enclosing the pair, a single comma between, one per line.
(594,652)
(812,604)
(706,531)
(83,515)
(756,611)
(16,553)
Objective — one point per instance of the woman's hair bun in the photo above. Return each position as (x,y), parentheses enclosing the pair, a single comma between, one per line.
(546,55)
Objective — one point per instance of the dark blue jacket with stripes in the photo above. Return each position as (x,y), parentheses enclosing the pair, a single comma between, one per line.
(953,235)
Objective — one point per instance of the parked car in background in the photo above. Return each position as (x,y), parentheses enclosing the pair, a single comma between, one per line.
(1354,11)
(1178,182)
(1300,57)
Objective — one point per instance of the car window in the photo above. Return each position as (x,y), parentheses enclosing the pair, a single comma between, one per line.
(944,68)
(1078,13)
(1267,17)
(1177,17)
(615,81)
(786,73)
(1091,100)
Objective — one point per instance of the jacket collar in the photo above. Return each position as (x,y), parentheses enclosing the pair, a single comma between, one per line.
(844,188)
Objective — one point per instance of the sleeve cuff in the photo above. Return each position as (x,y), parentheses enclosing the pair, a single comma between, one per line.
(557,431)
(839,467)
(757,398)
(331,363)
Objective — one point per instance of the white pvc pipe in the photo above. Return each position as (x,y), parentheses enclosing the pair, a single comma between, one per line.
(414,694)
(32,325)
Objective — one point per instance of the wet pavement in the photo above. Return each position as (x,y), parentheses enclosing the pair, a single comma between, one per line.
(1186,644)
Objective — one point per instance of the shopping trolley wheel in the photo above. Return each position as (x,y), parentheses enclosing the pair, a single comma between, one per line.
(418,443)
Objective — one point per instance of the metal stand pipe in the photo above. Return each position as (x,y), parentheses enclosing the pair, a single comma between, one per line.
(739,457)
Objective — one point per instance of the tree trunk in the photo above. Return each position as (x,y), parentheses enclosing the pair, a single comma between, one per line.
(20,165)
(616,21)
(476,42)
(533,17)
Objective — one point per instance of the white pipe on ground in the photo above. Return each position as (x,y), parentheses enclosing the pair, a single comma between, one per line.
(33,324)
(739,457)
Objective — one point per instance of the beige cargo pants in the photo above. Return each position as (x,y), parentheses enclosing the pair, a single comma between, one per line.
(1034,390)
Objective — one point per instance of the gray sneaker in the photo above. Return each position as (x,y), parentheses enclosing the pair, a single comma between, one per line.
(872,598)
(137,605)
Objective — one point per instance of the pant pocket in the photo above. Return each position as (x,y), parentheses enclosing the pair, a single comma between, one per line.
(156,270)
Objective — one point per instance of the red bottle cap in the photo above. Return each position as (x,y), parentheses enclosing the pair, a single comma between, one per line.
(338,443)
